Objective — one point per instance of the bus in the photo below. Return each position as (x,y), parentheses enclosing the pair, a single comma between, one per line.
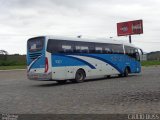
(62,58)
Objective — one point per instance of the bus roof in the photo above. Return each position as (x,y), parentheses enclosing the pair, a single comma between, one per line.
(98,40)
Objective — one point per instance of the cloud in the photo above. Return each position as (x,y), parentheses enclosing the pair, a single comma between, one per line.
(95,18)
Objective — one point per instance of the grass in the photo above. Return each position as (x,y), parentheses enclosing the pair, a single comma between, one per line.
(150,63)
(12,67)
(12,62)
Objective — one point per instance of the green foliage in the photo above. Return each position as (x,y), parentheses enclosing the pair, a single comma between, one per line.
(7,63)
(13,60)
(12,67)
(150,63)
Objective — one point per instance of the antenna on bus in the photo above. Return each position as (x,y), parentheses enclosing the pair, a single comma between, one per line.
(79,36)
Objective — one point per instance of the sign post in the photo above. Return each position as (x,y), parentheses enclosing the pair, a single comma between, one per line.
(130,39)
(130,28)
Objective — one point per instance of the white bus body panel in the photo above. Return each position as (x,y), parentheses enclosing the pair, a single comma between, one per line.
(68,72)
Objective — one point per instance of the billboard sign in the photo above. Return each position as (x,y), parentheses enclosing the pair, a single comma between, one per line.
(130,28)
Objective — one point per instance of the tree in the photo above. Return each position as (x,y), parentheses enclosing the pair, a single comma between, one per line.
(3,54)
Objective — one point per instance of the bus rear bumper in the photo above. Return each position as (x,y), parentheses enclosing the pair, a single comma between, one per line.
(39,76)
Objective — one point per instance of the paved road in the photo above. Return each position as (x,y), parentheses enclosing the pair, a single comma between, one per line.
(134,94)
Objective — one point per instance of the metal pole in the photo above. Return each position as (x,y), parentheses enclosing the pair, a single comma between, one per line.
(130,39)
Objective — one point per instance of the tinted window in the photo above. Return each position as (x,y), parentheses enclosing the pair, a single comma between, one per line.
(84,47)
(131,51)
(60,46)
(98,49)
(116,49)
(66,48)
(35,44)
(53,46)
(107,50)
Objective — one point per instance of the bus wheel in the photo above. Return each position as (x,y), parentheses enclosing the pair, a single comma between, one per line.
(126,72)
(108,76)
(80,76)
(61,81)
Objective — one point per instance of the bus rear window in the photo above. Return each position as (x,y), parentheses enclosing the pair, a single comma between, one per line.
(35,44)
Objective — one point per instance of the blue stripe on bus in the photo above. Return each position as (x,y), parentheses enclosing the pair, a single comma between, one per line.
(85,62)
(104,60)
(74,63)
(92,56)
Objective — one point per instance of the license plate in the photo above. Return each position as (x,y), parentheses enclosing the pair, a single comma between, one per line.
(35,76)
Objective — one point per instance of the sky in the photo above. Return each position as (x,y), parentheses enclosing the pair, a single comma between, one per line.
(23,19)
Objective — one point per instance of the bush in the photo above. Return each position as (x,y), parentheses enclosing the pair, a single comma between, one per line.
(13,60)
(150,63)
(8,63)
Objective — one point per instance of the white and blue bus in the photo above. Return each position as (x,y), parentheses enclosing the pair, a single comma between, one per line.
(76,59)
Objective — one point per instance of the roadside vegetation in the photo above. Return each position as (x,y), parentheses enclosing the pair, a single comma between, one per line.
(150,63)
(12,62)
(12,67)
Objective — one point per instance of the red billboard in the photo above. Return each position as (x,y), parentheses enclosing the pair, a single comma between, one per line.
(130,28)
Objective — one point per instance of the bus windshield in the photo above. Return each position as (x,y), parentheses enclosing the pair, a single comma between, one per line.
(35,44)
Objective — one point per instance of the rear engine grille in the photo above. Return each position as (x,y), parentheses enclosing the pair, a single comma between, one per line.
(34,55)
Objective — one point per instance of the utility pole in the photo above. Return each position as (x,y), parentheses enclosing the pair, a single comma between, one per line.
(130,39)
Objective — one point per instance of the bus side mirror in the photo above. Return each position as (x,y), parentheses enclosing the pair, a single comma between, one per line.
(137,56)
(141,51)
(141,54)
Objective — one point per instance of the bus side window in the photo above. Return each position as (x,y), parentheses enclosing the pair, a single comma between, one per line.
(84,49)
(107,51)
(53,46)
(117,49)
(132,52)
(67,48)
(98,49)
(78,49)
(127,50)
(91,48)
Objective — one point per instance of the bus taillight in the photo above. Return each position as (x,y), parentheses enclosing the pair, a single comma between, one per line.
(46,64)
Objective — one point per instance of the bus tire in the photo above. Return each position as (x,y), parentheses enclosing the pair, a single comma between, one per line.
(61,81)
(126,72)
(108,76)
(80,76)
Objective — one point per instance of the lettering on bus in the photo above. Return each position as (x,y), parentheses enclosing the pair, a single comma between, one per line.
(58,61)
